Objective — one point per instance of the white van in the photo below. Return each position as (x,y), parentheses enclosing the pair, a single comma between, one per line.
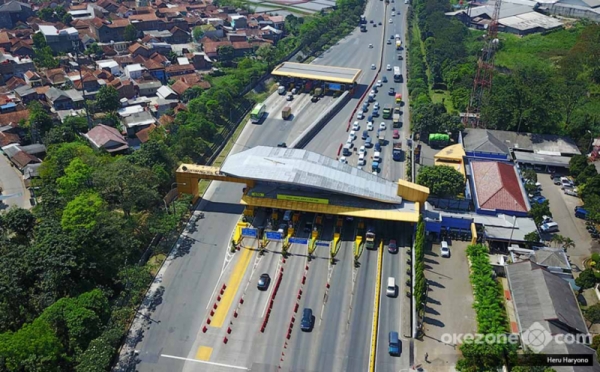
(281,90)
(549,227)
(377,156)
(361,159)
(287,215)
(390,291)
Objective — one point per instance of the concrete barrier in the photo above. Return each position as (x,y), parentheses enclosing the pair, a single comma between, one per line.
(320,122)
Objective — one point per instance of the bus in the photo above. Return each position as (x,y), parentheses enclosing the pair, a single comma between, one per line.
(257,113)
(397,75)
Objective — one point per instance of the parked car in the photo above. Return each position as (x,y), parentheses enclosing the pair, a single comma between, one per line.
(445,249)
(539,199)
(392,246)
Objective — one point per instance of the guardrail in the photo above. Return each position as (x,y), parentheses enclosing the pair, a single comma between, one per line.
(320,122)
(374,331)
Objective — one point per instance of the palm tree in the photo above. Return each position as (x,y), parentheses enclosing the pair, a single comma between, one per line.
(568,243)
(557,239)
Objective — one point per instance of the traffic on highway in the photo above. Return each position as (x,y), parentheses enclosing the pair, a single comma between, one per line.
(269,304)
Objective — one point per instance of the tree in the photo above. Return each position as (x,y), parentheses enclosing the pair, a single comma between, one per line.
(586,279)
(130,33)
(107,99)
(45,58)
(568,243)
(588,172)
(532,238)
(538,211)
(592,187)
(433,118)
(76,180)
(577,164)
(225,53)
(592,314)
(558,240)
(82,212)
(20,221)
(442,180)
(267,53)
(39,41)
(35,347)
(40,122)
(197,33)
(93,48)
(530,175)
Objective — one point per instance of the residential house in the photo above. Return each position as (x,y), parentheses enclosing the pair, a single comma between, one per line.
(27,94)
(134,71)
(177,70)
(9,123)
(147,85)
(109,65)
(22,156)
(64,99)
(14,82)
(138,121)
(137,49)
(180,87)
(144,134)
(9,138)
(166,93)
(239,22)
(91,84)
(109,31)
(108,5)
(5,41)
(107,138)
(13,12)
(124,87)
(61,41)
(156,69)
(278,22)
(33,79)
(211,48)
(14,66)
(56,76)
(20,48)
(242,48)
(200,60)
(179,36)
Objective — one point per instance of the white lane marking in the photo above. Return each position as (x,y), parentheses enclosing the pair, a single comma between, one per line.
(204,362)
(272,288)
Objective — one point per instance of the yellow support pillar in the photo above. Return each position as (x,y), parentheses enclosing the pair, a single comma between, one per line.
(334,246)
(315,234)
(357,247)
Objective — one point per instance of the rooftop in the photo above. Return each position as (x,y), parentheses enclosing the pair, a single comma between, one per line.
(311,170)
(317,72)
(497,187)
(502,142)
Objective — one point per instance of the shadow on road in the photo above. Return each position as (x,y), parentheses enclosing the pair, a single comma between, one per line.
(433,283)
(431,311)
(433,322)
(228,208)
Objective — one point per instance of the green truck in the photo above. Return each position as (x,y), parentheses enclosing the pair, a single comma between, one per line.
(438,140)
(387,111)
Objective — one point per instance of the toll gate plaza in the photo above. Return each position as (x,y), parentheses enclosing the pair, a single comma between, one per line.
(329,78)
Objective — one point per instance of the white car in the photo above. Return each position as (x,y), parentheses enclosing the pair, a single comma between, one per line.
(370,125)
(355,126)
(391,20)
(382,126)
(546,219)
(389,42)
(362,150)
(373,67)
(389,67)
(360,115)
(393,14)
(445,251)
(352,135)
(379,83)
(376,105)
(343,160)
(373,92)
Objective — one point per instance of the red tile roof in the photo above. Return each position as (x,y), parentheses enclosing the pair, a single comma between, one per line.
(144,134)
(13,117)
(101,135)
(497,186)
(21,159)
(179,87)
(8,138)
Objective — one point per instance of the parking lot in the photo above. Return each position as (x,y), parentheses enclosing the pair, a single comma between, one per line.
(562,207)
(449,307)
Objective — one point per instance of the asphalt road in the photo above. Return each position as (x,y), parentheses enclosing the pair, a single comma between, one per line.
(172,338)
(11,183)
(328,140)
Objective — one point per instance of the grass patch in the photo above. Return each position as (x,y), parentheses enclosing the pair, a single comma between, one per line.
(442,96)
(155,262)
(535,49)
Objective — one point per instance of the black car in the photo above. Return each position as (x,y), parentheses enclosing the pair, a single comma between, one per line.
(281,144)
(308,227)
(371,21)
(392,91)
(263,282)
(392,247)
(391,37)
(308,320)
(384,79)
(400,58)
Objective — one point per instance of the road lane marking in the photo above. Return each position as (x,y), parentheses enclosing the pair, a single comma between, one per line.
(204,362)
(375,327)
(232,287)
(275,277)
(226,260)
(204,353)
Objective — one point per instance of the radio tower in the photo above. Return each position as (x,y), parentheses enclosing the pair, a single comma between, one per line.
(485,71)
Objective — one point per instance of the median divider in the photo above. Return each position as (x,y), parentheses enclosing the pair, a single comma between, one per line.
(374,330)
(320,122)
(272,300)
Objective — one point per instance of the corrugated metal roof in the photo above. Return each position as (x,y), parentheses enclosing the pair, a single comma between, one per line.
(309,169)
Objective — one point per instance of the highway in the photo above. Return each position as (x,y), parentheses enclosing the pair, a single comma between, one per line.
(173,339)
(328,140)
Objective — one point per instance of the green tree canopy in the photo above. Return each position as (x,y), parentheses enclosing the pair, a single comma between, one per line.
(18,220)
(442,180)
(77,178)
(107,99)
(82,212)
(586,279)
(130,33)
